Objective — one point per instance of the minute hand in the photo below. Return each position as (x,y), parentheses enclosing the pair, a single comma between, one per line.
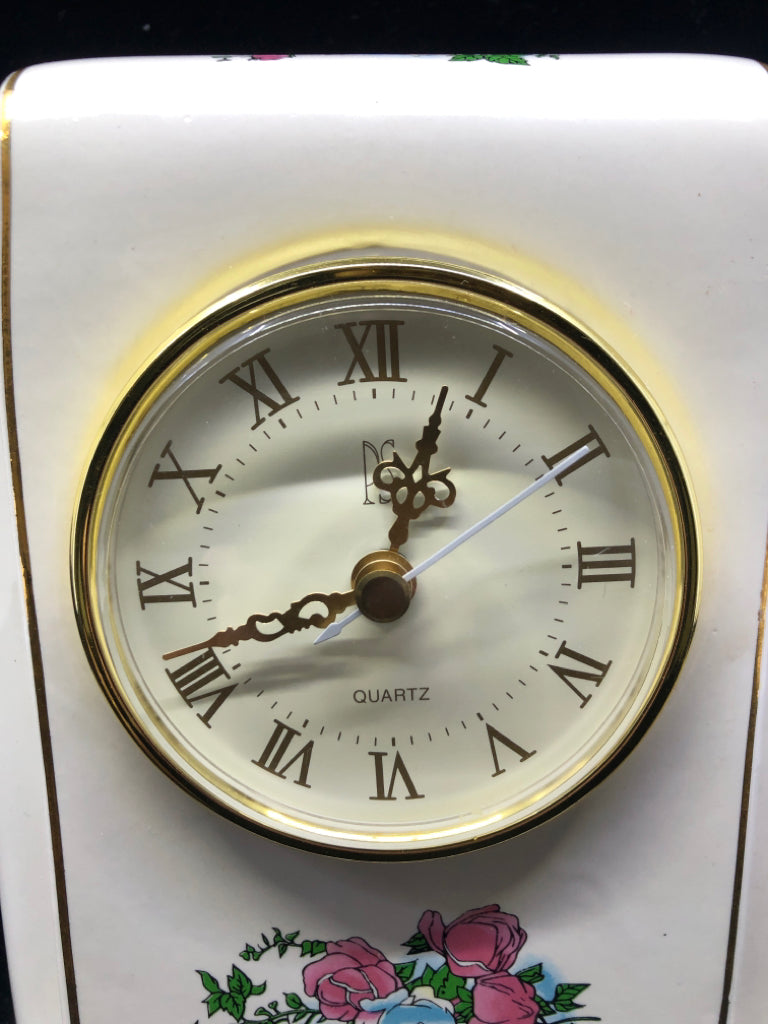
(336,627)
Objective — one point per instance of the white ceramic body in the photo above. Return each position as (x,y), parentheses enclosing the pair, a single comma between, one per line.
(627,190)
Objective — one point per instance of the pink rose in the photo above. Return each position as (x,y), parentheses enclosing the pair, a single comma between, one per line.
(350,972)
(484,941)
(503,999)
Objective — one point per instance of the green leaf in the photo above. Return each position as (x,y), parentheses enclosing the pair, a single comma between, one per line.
(463,1003)
(209,981)
(463,1012)
(316,947)
(545,1007)
(428,975)
(533,975)
(291,937)
(239,983)
(233,1003)
(405,969)
(494,58)
(258,990)
(445,984)
(293,1001)
(441,975)
(213,1002)
(565,995)
(417,943)
(450,987)
(282,949)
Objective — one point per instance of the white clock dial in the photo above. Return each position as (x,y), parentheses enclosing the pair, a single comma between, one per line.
(237,478)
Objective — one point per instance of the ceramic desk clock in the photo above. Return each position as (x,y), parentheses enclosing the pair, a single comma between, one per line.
(386,456)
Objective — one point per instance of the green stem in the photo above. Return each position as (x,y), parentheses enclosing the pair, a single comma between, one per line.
(277,1017)
(569,1020)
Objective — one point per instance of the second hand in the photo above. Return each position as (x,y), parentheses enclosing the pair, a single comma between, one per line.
(335,628)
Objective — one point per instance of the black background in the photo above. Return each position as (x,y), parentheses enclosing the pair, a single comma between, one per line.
(33,33)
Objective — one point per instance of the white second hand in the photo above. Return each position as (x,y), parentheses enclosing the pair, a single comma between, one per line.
(335,628)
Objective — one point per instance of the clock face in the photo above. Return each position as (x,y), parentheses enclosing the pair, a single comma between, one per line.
(238,478)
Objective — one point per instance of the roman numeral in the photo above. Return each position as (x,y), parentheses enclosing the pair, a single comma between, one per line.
(251,387)
(607,563)
(494,737)
(493,369)
(192,679)
(585,669)
(387,352)
(185,475)
(385,789)
(277,758)
(596,447)
(162,587)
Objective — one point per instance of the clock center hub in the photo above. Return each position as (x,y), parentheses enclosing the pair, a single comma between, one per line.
(381,593)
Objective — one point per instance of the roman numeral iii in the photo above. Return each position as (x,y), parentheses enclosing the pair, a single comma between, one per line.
(607,563)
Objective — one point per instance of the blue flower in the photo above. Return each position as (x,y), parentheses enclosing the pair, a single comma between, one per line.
(420,1007)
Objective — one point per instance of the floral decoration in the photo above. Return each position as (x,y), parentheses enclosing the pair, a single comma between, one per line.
(494,58)
(502,58)
(252,56)
(461,972)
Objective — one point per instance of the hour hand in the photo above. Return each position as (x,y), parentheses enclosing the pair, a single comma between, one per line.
(276,624)
(413,489)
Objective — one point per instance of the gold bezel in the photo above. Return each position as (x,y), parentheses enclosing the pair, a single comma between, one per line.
(416,277)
